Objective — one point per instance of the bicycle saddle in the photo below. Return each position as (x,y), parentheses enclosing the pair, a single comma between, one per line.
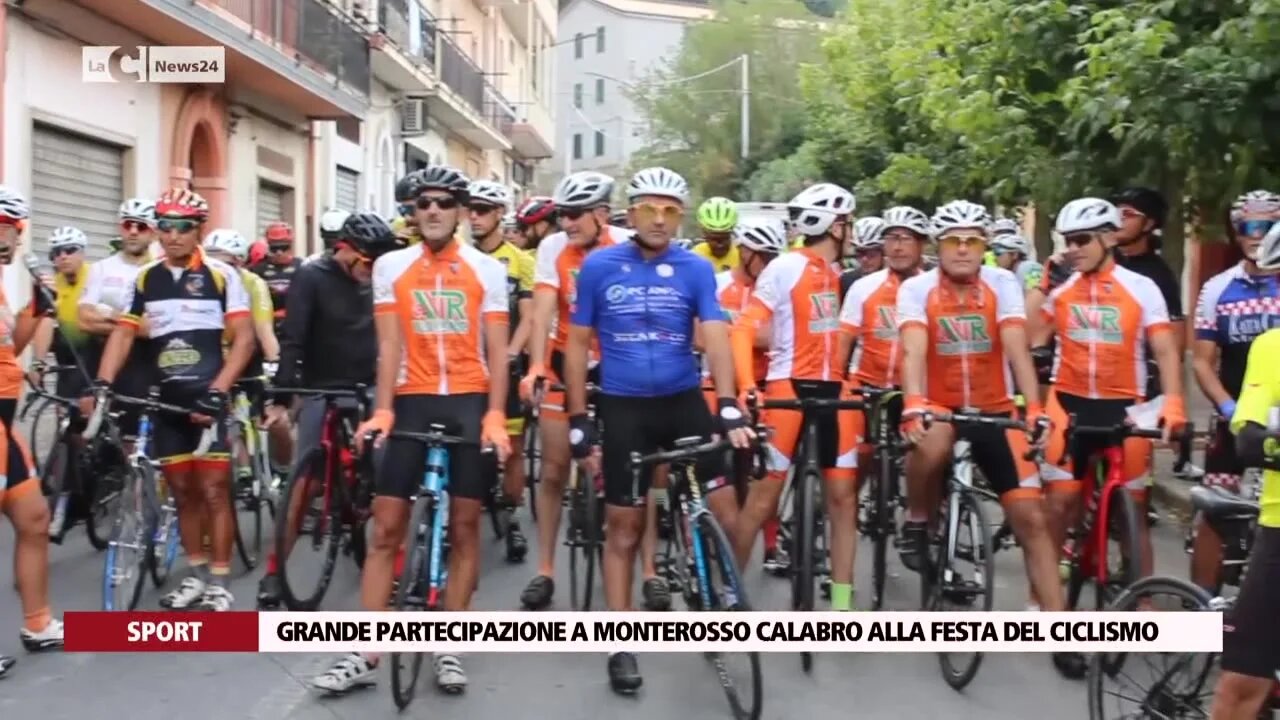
(1217,504)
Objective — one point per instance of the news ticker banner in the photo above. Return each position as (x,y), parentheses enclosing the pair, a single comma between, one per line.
(571,632)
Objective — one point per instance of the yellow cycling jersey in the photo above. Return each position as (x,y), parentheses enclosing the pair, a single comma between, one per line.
(260,308)
(1259,401)
(728,262)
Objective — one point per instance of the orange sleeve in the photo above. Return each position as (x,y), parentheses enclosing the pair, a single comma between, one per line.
(742,340)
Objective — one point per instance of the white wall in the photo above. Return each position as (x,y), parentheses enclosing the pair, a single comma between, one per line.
(245,173)
(43,81)
(634,44)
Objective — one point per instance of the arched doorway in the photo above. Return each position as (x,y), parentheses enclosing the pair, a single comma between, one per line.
(199,155)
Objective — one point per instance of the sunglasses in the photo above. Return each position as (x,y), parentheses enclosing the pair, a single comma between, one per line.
(136,225)
(275,249)
(1079,239)
(955,241)
(56,253)
(444,203)
(900,237)
(650,212)
(867,251)
(1249,228)
(178,226)
(481,208)
(573,213)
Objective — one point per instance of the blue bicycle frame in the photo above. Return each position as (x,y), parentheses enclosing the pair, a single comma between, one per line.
(435,480)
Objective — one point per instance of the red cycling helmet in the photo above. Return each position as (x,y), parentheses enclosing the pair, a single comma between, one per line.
(257,252)
(279,232)
(538,207)
(181,203)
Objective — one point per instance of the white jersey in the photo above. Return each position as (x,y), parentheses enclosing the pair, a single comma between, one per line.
(109,284)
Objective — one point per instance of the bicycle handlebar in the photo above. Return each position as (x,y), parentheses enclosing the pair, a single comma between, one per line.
(356,392)
(995,421)
(105,397)
(1117,433)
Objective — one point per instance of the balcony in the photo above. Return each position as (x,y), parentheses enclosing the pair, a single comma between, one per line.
(405,47)
(303,54)
(531,135)
(459,99)
(522,16)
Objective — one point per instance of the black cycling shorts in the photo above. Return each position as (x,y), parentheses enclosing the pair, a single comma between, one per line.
(647,425)
(1221,466)
(401,472)
(1250,633)
(20,469)
(175,438)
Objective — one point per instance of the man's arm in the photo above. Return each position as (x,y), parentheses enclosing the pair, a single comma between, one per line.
(1164,345)
(1204,363)
(265,332)
(719,355)
(117,350)
(544,308)
(496,340)
(915,343)
(91,316)
(389,348)
(575,369)
(520,338)
(241,352)
(41,339)
(1014,338)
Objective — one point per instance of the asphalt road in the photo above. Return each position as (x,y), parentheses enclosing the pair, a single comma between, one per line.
(61,686)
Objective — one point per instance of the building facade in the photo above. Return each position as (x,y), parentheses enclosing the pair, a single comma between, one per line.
(606,46)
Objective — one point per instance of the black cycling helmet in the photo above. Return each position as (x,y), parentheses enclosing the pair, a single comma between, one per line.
(442,177)
(368,234)
(406,185)
(1145,200)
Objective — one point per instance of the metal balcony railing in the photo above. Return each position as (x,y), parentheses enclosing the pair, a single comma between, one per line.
(312,33)
(461,75)
(498,110)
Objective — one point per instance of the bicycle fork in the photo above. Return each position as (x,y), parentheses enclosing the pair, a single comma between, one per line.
(433,486)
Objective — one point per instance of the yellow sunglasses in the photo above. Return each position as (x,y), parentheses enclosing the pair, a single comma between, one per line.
(955,241)
(650,212)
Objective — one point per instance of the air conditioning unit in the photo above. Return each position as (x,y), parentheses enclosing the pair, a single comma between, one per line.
(413,116)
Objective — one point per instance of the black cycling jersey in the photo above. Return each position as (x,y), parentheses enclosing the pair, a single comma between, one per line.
(278,279)
(329,339)
(1150,264)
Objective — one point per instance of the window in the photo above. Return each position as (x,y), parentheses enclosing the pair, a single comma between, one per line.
(599,143)
(577,46)
(577,95)
(600,39)
(599,91)
(577,146)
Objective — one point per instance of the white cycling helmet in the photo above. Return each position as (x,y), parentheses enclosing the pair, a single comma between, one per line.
(1269,250)
(331,222)
(229,242)
(12,205)
(1005,226)
(487,191)
(1087,215)
(583,190)
(67,236)
(765,236)
(904,216)
(658,181)
(1255,202)
(817,207)
(1010,242)
(509,220)
(138,209)
(868,232)
(959,214)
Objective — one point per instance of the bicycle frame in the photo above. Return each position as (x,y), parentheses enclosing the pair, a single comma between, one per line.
(961,481)
(1109,464)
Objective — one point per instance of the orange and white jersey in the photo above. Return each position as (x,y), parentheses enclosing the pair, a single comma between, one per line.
(1102,321)
(556,267)
(10,370)
(734,295)
(442,303)
(797,296)
(870,315)
(966,366)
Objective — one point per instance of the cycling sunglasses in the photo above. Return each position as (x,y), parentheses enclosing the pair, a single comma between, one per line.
(1080,239)
(444,203)
(955,241)
(136,225)
(573,213)
(650,212)
(165,225)
(482,208)
(277,249)
(1250,228)
(56,253)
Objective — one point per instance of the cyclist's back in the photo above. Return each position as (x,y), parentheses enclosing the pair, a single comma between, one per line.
(1258,403)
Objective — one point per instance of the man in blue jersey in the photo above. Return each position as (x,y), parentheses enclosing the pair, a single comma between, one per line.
(645,301)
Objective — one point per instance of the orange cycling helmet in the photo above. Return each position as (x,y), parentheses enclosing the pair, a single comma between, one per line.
(257,252)
(278,232)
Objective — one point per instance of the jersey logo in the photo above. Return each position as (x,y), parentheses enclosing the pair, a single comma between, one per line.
(886,327)
(571,292)
(824,312)
(440,312)
(1095,324)
(194,284)
(963,335)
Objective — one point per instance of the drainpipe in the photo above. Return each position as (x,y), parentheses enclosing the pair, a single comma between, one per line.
(309,213)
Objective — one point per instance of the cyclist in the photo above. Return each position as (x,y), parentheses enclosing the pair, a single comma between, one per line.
(1012,252)
(20,496)
(760,242)
(257,253)
(68,339)
(179,295)
(962,336)
(431,369)
(230,247)
(536,218)
(511,230)
(717,217)
(279,268)
(651,393)
(582,209)
(331,222)
(332,327)
(1250,634)
(797,298)
(866,254)
(488,201)
(1236,305)
(618,218)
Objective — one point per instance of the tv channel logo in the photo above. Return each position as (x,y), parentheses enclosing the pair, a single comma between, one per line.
(155,63)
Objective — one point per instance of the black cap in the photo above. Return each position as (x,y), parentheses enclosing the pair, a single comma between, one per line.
(1145,200)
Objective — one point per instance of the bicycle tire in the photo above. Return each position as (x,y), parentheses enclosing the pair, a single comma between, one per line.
(533,462)
(106,494)
(971,516)
(53,480)
(1193,598)
(39,419)
(246,499)
(160,559)
(128,550)
(718,555)
(804,521)
(882,517)
(404,677)
(302,479)
(585,545)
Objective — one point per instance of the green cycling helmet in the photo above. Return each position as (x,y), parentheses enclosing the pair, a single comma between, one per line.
(718,214)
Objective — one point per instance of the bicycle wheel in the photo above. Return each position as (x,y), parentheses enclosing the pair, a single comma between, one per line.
(532,462)
(43,423)
(804,522)
(245,499)
(584,541)
(1181,684)
(124,571)
(417,558)
(308,517)
(964,582)
(53,483)
(882,525)
(727,593)
(106,497)
(163,542)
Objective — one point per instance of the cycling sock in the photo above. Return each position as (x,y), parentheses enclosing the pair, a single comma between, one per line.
(659,495)
(200,569)
(1032,607)
(38,620)
(841,596)
(218,574)
(272,569)
(915,517)
(771,534)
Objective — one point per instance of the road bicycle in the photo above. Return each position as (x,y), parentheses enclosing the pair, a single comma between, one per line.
(805,531)
(699,561)
(327,499)
(80,478)
(144,531)
(879,511)
(39,411)
(254,482)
